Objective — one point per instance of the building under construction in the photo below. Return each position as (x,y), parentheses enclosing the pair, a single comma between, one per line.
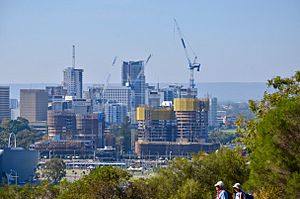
(71,133)
(182,128)
(192,119)
(156,124)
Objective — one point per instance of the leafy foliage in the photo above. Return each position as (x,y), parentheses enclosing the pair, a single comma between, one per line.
(273,139)
(104,182)
(222,137)
(24,134)
(54,170)
(195,178)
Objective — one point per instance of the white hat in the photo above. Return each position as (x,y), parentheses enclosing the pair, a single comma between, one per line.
(237,185)
(220,184)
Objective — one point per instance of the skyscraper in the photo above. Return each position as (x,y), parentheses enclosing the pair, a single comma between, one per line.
(133,76)
(34,104)
(120,94)
(4,103)
(73,81)
(115,113)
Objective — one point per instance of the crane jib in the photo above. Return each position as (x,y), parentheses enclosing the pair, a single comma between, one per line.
(182,41)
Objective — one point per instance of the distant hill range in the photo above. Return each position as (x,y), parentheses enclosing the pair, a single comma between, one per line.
(224,91)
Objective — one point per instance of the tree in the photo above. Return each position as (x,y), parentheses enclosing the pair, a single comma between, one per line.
(220,136)
(273,139)
(25,138)
(190,189)
(103,182)
(24,134)
(194,179)
(54,170)
(226,165)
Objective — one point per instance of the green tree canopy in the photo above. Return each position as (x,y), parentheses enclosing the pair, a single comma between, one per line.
(54,170)
(273,139)
(103,182)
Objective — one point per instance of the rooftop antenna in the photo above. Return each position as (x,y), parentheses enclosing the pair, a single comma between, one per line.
(73,57)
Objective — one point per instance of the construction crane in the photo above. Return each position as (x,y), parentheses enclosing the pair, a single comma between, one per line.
(192,65)
(73,57)
(142,71)
(107,79)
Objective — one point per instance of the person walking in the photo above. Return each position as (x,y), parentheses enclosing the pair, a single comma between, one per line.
(238,191)
(220,189)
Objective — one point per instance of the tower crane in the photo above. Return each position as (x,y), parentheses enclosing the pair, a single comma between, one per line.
(107,79)
(192,65)
(142,71)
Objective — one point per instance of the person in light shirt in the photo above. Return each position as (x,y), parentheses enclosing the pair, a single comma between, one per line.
(239,194)
(220,188)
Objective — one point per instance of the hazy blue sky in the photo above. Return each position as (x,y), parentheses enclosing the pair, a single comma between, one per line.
(236,41)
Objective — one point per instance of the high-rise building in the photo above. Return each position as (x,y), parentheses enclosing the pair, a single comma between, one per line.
(34,104)
(188,93)
(156,124)
(192,119)
(134,77)
(178,91)
(14,109)
(55,92)
(81,106)
(115,113)
(169,94)
(179,130)
(61,124)
(73,81)
(212,113)
(119,94)
(154,97)
(90,128)
(186,122)
(66,125)
(4,103)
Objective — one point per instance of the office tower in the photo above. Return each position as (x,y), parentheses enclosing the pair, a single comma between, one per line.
(188,93)
(4,103)
(154,98)
(13,104)
(33,104)
(73,81)
(119,94)
(133,76)
(178,91)
(212,113)
(55,92)
(169,94)
(115,113)
(14,109)
(81,106)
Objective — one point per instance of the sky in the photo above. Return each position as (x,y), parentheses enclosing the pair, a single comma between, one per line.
(235,41)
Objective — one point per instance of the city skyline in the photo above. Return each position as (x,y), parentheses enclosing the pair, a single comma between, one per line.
(235,41)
